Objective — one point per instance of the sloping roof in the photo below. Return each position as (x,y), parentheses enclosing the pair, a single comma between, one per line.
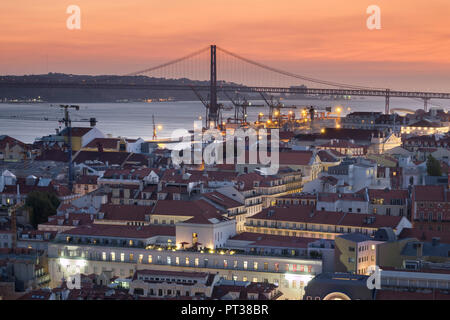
(113,158)
(301,158)
(76,131)
(134,232)
(430,193)
(124,212)
(106,143)
(222,200)
(11,142)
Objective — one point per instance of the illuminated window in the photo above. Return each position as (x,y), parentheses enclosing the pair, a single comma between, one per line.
(131,257)
(277,267)
(169,260)
(245,265)
(103,256)
(150,259)
(122,257)
(177,260)
(113,256)
(225,263)
(244,278)
(255,279)
(196,262)
(255,265)
(187,261)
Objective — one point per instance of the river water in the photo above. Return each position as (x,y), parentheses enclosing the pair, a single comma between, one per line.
(134,119)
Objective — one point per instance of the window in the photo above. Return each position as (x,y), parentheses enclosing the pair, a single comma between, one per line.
(149,258)
(141,257)
(177,260)
(113,256)
(169,260)
(266,266)
(131,257)
(225,263)
(255,279)
(187,261)
(255,265)
(196,262)
(245,265)
(103,256)
(122,257)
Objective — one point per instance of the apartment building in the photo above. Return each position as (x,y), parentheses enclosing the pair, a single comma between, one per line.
(355,253)
(431,207)
(389,202)
(306,221)
(125,249)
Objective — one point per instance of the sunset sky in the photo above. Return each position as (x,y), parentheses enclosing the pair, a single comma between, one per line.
(325,39)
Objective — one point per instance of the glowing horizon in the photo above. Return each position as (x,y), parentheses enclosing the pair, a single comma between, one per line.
(321,39)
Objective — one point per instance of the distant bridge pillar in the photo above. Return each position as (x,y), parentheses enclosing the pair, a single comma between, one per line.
(425,104)
(386,108)
(213,112)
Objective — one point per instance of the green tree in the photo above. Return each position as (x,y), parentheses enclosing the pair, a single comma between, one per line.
(42,205)
(433,167)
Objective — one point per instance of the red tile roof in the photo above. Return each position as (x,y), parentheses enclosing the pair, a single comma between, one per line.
(77,131)
(300,158)
(11,142)
(124,212)
(222,200)
(135,232)
(425,235)
(388,195)
(271,240)
(308,214)
(430,193)
(106,143)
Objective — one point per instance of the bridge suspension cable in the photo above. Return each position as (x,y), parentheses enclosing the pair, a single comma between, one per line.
(297,76)
(172,62)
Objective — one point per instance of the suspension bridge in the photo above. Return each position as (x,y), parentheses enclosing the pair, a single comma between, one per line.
(213,69)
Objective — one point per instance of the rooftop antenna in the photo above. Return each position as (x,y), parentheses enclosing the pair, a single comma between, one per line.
(68,124)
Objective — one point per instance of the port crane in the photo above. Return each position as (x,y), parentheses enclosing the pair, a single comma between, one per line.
(207,107)
(240,107)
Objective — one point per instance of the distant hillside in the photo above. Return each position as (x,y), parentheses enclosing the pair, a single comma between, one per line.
(95,95)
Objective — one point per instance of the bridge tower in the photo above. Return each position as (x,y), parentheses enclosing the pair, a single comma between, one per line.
(213,110)
(387,108)
(425,104)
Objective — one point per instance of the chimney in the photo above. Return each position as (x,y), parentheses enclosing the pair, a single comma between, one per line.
(419,249)
(435,241)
